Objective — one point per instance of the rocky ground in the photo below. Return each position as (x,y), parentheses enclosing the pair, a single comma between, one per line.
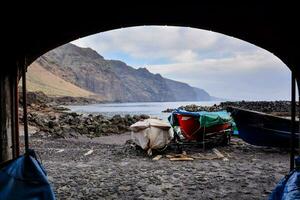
(56,122)
(87,157)
(52,120)
(279,108)
(114,170)
(39,97)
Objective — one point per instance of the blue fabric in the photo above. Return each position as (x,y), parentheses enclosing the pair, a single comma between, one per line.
(289,187)
(292,187)
(278,192)
(26,179)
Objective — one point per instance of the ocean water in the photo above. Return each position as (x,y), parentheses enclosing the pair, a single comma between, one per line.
(153,109)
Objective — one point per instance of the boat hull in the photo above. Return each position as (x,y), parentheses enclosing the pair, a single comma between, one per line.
(261,129)
(191,129)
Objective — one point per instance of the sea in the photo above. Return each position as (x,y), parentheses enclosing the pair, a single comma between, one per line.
(153,109)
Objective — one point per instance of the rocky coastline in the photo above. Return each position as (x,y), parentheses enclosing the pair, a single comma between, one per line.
(50,119)
(40,98)
(58,122)
(86,158)
(279,108)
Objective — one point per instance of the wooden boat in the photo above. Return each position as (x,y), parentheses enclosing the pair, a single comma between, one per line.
(263,129)
(192,129)
(216,127)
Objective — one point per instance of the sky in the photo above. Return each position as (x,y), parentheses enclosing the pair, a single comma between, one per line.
(226,67)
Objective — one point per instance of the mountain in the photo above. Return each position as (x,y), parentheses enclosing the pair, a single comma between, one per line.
(40,79)
(184,92)
(203,95)
(114,80)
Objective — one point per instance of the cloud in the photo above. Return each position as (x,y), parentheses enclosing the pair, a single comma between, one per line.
(185,56)
(151,42)
(254,76)
(223,65)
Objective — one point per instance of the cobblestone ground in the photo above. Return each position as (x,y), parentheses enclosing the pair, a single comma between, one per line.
(116,171)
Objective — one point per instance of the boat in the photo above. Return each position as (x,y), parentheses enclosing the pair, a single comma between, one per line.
(262,129)
(201,126)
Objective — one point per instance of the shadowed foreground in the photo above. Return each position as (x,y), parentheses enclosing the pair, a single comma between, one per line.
(117,171)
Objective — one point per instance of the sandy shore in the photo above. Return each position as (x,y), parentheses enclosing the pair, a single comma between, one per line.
(114,170)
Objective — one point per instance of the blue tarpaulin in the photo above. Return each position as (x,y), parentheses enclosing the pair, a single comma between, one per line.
(205,118)
(25,178)
(289,187)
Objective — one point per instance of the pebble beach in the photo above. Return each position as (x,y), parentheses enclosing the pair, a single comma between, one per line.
(91,157)
(109,168)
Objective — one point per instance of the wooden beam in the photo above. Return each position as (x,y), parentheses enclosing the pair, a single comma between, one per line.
(5,117)
(15,113)
(24,91)
(16,105)
(12,115)
(293,121)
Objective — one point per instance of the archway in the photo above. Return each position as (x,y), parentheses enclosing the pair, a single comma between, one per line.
(127,188)
(262,24)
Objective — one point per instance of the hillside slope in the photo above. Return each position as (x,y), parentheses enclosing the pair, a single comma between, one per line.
(40,79)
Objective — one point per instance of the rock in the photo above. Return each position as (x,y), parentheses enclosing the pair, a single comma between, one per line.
(143,116)
(127,117)
(263,106)
(116,119)
(169,110)
(52,116)
(122,127)
(112,129)
(136,117)
(52,124)
(73,114)
(34,98)
(281,108)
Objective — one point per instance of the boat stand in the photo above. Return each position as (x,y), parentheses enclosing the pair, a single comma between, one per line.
(210,140)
